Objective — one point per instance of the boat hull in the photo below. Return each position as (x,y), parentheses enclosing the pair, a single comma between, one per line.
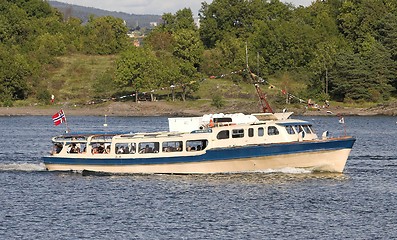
(329,156)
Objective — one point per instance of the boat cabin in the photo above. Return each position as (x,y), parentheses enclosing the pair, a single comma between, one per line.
(214,132)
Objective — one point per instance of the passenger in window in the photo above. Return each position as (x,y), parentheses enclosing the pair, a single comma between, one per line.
(132,149)
(198,147)
(77,148)
(107,151)
(119,150)
(94,150)
(101,148)
(58,148)
(72,148)
(145,150)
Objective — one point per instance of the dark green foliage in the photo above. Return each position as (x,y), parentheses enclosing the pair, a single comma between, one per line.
(105,35)
(104,86)
(44,96)
(361,76)
(217,101)
(33,34)
(14,72)
(345,50)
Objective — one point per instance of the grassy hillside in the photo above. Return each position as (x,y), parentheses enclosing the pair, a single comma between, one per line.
(83,78)
(79,79)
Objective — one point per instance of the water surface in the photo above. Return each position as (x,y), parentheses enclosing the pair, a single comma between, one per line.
(289,204)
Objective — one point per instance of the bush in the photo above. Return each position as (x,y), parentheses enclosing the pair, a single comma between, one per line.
(217,101)
(44,96)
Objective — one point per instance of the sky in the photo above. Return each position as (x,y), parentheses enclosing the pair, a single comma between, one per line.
(157,7)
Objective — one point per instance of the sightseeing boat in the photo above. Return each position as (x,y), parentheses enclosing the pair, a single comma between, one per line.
(217,143)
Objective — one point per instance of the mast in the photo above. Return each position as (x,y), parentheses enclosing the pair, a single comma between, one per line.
(262,97)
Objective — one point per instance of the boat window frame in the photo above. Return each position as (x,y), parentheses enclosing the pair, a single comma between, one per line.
(173,148)
(238,133)
(107,147)
(290,129)
(261,131)
(130,146)
(274,131)
(224,134)
(193,143)
(57,148)
(251,132)
(151,149)
(307,128)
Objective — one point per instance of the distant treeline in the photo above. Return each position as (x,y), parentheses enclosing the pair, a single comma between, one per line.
(133,20)
(343,50)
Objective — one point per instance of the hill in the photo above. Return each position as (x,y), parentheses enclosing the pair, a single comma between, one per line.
(83,13)
(87,80)
(83,85)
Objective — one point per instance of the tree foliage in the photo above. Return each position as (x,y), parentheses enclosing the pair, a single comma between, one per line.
(344,50)
(33,34)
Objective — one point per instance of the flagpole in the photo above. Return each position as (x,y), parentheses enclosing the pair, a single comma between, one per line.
(66,123)
(67,127)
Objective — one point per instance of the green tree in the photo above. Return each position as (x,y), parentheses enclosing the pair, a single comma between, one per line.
(188,47)
(285,45)
(362,77)
(160,41)
(105,35)
(137,68)
(188,51)
(14,71)
(183,19)
(236,18)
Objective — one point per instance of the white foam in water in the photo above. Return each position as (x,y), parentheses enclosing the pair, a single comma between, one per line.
(27,167)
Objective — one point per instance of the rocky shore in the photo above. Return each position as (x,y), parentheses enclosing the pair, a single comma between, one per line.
(167,109)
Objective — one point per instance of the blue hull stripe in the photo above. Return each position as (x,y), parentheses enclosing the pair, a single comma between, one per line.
(251,151)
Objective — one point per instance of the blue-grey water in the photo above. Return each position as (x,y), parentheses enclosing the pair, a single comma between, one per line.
(361,203)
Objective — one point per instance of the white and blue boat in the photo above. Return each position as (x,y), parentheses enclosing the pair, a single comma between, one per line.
(218,143)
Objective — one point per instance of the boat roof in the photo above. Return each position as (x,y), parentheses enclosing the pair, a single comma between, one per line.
(81,134)
(294,122)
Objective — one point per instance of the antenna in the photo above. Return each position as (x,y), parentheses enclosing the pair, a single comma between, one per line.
(105,124)
(246,54)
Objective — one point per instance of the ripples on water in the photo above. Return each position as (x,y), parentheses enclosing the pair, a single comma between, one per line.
(287,204)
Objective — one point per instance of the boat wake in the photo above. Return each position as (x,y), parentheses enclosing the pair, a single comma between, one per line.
(288,170)
(24,167)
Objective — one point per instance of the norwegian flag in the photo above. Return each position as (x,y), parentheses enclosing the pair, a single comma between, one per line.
(59,118)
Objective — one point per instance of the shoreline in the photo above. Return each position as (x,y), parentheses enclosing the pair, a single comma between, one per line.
(166,109)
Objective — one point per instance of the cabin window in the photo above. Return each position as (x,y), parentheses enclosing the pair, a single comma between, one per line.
(174,146)
(261,132)
(102,147)
(74,147)
(125,148)
(238,133)
(223,134)
(272,131)
(196,145)
(307,129)
(83,147)
(149,147)
(250,132)
(290,129)
(57,148)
